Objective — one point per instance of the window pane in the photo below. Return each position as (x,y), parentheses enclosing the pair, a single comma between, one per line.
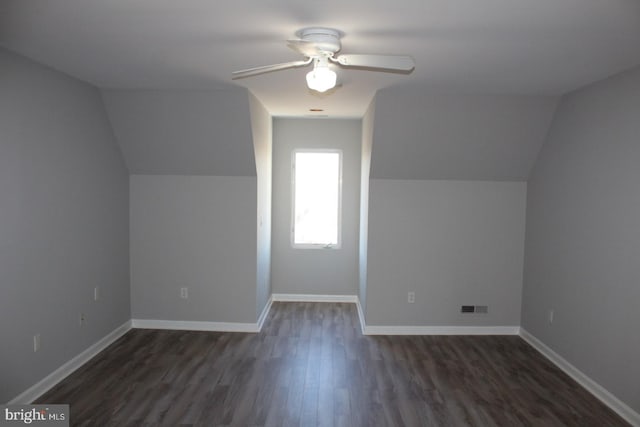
(316,198)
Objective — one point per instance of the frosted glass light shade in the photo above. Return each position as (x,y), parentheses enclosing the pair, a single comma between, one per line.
(321,78)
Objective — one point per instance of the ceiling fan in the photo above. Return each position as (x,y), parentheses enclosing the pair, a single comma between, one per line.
(319,46)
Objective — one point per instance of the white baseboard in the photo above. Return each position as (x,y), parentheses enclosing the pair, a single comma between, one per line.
(44,385)
(398,330)
(313,298)
(187,325)
(441,330)
(585,381)
(265,313)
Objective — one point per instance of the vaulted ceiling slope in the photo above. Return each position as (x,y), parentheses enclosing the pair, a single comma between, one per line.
(183,132)
(477,106)
(415,135)
(460,137)
(531,47)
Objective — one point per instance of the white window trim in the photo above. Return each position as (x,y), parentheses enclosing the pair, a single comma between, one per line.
(293,200)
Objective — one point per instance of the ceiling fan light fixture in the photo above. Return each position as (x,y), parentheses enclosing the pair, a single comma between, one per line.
(321,78)
(320,47)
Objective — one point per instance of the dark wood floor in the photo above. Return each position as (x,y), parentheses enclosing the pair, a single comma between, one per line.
(311,366)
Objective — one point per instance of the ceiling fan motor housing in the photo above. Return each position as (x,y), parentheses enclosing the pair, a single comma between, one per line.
(325,39)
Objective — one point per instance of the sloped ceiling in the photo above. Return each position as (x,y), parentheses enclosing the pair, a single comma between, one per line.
(477,105)
(183,132)
(423,136)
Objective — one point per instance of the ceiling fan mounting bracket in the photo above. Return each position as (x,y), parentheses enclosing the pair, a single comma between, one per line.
(325,39)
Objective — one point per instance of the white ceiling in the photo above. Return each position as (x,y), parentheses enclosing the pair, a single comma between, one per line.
(534,47)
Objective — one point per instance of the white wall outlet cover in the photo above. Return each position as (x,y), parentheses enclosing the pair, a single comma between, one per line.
(36,343)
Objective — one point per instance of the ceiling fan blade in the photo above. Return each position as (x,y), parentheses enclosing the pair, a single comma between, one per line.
(304,47)
(386,62)
(240,74)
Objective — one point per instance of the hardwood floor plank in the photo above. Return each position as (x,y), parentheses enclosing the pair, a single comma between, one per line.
(278,406)
(296,386)
(325,406)
(311,366)
(341,408)
(309,413)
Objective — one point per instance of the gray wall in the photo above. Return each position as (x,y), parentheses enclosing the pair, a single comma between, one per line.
(583,236)
(183,132)
(452,243)
(365,170)
(315,271)
(200,201)
(456,137)
(197,232)
(63,222)
(262,129)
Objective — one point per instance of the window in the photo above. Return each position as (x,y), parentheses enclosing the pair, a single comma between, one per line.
(317,182)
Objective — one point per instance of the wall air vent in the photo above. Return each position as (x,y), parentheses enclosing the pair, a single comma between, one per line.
(480,309)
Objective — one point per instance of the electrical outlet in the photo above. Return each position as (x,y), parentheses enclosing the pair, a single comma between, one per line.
(184,293)
(36,343)
(83,319)
(96,293)
(411,297)
(551,315)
